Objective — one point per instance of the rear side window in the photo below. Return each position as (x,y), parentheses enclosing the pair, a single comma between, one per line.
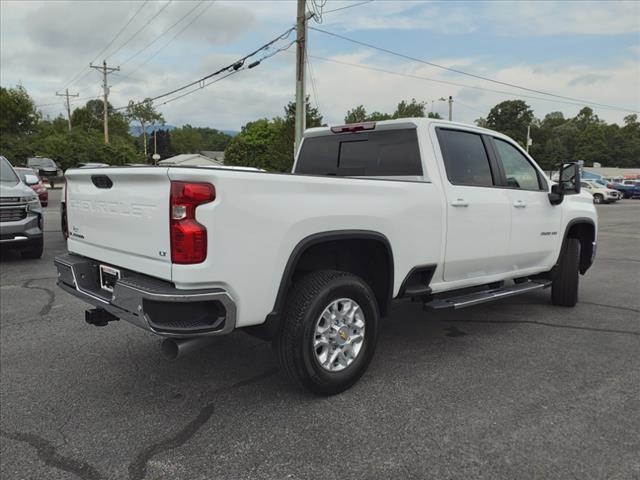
(383,153)
(465,158)
(517,169)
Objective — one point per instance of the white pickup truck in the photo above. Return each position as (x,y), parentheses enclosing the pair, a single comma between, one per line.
(448,214)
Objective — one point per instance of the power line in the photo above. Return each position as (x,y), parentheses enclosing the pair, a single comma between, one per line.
(120,31)
(313,82)
(446,82)
(166,31)
(79,99)
(464,105)
(232,72)
(425,62)
(233,66)
(176,35)
(349,6)
(140,29)
(76,77)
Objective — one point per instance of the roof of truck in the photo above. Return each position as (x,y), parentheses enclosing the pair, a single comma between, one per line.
(400,123)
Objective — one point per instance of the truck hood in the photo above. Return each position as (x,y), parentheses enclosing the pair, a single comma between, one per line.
(15,190)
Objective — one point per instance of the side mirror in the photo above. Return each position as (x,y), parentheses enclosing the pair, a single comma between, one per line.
(568,183)
(31,180)
(569,179)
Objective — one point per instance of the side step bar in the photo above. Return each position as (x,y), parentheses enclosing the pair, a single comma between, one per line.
(489,295)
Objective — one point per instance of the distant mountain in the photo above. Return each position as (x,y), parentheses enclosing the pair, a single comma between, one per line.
(136,131)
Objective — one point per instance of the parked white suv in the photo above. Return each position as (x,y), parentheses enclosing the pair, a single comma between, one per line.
(601,194)
(418,208)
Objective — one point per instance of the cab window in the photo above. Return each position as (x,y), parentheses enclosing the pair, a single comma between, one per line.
(465,158)
(518,170)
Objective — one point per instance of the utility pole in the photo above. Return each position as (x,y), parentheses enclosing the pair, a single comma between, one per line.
(450,108)
(105,71)
(301,47)
(529,141)
(67,95)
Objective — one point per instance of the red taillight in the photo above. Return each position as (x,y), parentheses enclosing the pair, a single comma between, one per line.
(188,237)
(354,127)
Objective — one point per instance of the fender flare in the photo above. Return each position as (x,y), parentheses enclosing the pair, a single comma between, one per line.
(318,238)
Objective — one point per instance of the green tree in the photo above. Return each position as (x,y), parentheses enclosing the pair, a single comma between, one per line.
(409,109)
(90,118)
(268,144)
(404,109)
(145,114)
(357,115)
(190,139)
(18,113)
(511,117)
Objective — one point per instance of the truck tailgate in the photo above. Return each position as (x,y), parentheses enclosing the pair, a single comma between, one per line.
(120,216)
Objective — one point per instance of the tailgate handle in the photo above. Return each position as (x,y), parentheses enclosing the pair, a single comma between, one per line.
(101,181)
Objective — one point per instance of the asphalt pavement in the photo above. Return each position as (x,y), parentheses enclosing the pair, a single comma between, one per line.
(507,390)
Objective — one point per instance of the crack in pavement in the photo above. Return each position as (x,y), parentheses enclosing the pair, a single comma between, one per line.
(612,306)
(138,467)
(49,455)
(618,259)
(604,305)
(52,296)
(553,325)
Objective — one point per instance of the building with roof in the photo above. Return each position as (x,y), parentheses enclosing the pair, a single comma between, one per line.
(611,173)
(192,159)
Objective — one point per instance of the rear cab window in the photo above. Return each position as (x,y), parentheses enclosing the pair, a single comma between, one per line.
(466,160)
(382,153)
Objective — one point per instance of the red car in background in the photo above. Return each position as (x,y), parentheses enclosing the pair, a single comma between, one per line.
(39,188)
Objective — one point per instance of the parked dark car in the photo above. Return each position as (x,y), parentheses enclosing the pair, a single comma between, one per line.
(46,168)
(627,189)
(24,174)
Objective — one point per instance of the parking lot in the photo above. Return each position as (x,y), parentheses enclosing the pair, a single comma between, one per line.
(515,389)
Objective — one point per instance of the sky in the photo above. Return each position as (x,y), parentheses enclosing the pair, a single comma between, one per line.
(589,51)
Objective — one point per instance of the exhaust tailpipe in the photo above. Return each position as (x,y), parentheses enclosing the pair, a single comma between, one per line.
(177,347)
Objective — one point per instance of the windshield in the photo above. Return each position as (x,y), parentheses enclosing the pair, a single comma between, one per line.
(42,162)
(7,175)
(23,172)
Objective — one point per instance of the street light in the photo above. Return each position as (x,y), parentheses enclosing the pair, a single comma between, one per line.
(441,99)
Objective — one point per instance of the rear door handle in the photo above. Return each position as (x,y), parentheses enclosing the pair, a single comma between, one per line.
(519,204)
(459,202)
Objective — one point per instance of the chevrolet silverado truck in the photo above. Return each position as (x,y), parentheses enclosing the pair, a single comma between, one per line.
(21,217)
(447,214)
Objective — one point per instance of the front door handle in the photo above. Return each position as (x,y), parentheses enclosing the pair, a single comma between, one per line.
(519,204)
(459,202)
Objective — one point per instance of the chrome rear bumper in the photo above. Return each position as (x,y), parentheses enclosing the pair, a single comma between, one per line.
(152,304)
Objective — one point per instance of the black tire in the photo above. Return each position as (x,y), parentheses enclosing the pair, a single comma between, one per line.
(597,198)
(304,306)
(34,250)
(564,289)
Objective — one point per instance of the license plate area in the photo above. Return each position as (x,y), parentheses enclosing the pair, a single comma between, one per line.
(108,277)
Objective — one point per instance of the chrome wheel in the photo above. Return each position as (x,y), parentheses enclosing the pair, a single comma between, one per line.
(339,334)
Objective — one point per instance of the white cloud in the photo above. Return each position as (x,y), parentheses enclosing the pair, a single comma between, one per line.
(43,44)
(564,18)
